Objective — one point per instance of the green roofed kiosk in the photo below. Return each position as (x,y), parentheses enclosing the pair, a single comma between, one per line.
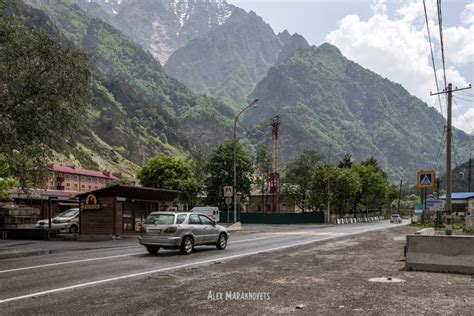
(113,211)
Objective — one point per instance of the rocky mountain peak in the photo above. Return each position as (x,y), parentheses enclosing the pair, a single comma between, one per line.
(292,44)
(161,26)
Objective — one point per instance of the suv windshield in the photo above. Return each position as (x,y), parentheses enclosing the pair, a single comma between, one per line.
(160,219)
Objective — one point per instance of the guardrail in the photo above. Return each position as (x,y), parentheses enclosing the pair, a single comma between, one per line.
(353,220)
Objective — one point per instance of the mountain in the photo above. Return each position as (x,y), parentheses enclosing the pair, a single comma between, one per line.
(323,98)
(203,120)
(229,60)
(121,128)
(160,26)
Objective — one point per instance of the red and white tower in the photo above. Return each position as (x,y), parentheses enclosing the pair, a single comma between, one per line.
(275,175)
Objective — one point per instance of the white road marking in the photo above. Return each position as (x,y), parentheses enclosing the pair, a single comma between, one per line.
(128,276)
(108,257)
(73,261)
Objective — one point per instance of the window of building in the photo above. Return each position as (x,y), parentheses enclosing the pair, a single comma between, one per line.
(83,186)
(83,178)
(96,187)
(68,176)
(68,185)
(89,179)
(75,178)
(75,185)
(89,187)
(96,180)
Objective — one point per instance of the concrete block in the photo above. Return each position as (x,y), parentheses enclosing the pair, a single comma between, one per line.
(440,253)
(426,231)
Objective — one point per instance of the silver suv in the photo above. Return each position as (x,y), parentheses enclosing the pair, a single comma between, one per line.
(182,231)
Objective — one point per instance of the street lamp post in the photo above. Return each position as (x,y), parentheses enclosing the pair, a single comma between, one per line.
(234,189)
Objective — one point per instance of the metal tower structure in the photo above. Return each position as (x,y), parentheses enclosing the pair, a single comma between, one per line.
(275,175)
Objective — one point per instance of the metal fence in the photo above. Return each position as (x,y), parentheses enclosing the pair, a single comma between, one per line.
(270,218)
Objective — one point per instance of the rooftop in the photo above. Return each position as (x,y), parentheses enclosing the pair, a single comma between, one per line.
(138,193)
(81,172)
(459,196)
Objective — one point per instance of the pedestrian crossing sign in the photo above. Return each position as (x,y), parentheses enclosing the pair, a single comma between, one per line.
(425,179)
(228,192)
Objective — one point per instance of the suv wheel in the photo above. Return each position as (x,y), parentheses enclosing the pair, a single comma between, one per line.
(153,249)
(187,245)
(222,242)
(73,229)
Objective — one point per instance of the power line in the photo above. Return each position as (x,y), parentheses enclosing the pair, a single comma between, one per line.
(467,94)
(459,109)
(432,58)
(441,145)
(440,24)
(464,99)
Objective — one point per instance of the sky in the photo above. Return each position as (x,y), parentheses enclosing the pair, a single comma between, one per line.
(390,38)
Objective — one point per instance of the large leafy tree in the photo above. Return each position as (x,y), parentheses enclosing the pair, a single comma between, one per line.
(167,172)
(373,188)
(298,177)
(219,170)
(44,89)
(344,183)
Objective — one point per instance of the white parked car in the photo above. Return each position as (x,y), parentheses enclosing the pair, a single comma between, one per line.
(66,222)
(395,218)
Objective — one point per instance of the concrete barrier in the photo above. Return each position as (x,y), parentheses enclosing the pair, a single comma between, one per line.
(426,231)
(440,253)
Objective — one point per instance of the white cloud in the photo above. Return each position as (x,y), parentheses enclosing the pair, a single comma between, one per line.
(467,15)
(461,121)
(396,46)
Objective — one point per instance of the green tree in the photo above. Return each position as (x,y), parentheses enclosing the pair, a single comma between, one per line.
(44,89)
(219,171)
(166,172)
(344,184)
(298,177)
(119,181)
(346,162)
(374,186)
(263,168)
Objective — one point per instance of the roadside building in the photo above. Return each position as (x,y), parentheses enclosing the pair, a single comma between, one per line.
(60,200)
(120,209)
(74,179)
(262,203)
(462,202)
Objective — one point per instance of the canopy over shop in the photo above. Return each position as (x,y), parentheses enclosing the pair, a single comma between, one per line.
(120,209)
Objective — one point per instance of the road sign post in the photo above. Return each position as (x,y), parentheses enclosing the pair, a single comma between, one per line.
(425,179)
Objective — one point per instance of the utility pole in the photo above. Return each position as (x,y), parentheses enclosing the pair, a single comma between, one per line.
(234,189)
(469,174)
(329,187)
(449,138)
(399,197)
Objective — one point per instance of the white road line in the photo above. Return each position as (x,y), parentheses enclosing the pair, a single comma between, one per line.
(105,258)
(73,261)
(128,276)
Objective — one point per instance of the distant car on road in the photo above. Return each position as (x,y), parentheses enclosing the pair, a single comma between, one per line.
(66,222)
(395,218)
(182,231)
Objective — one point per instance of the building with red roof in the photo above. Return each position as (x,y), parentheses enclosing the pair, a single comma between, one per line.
(72,178)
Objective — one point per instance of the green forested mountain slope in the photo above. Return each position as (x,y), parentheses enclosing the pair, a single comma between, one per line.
(202,119)
(121,128)
(323,98)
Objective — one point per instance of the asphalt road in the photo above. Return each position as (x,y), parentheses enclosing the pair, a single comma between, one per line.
(31,282)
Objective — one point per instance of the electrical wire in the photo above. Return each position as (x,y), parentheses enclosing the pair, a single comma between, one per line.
(467,94)
(440,24)
(462,113)
(432,58)
(441,145)
(464,99)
